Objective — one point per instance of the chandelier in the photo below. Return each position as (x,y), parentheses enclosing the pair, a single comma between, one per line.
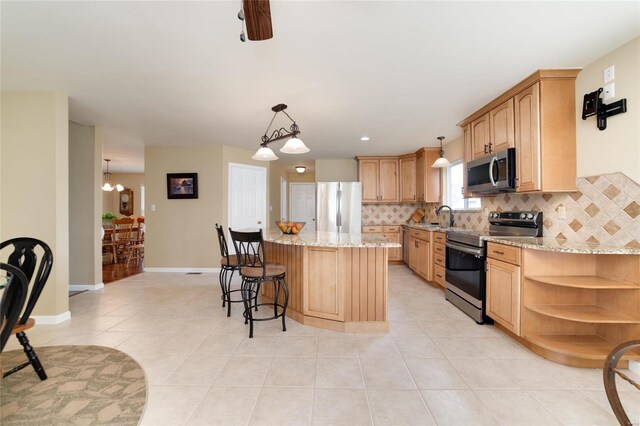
(293,146)
(108,186)
(442,160)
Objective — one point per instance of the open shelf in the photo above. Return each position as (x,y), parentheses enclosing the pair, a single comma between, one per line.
(588,347)
(583,313)
(583,281)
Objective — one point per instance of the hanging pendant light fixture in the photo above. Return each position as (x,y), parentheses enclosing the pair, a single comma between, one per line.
(293,146)
(108,186)
(300,169)
(442,161)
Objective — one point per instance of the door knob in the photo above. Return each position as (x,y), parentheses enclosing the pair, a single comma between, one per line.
(259,222)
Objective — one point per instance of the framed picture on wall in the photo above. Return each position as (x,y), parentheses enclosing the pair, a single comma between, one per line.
(182,185)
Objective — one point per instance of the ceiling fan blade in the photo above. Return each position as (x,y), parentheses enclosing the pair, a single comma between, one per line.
(257,15)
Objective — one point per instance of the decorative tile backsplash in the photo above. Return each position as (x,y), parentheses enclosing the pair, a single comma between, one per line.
(388,214)
(605,209)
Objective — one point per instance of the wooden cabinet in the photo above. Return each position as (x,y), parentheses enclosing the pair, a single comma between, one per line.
(420,253)
(480,137)
(408,178)
(537,117)
(503,294)
(427,178)
(379,178)
(390,233)
(501,127)
(323,292)
(438,258)
(467,156)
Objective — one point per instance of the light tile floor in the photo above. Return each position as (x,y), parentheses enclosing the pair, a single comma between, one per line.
(436,366)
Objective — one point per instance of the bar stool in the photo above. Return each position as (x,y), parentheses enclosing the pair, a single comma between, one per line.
(228,266)
(255,271)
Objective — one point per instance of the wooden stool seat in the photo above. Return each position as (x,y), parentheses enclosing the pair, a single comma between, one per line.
(271,270)
(232,260)
(22,327)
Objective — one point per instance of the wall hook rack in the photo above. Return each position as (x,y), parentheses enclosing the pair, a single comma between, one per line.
(593,105)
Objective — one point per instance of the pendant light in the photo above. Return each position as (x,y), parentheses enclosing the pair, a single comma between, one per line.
(108,186)
(300,169)
(293,146)
(442,161)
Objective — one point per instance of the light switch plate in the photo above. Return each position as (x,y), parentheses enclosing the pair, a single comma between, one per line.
(562,212)
(609,91)
(153,207)
(610,74)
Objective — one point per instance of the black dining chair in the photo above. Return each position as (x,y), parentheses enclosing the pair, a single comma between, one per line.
(25,257)
(228,266)
(254,269)
(13,298)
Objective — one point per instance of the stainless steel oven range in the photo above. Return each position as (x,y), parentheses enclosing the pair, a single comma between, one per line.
(466,255)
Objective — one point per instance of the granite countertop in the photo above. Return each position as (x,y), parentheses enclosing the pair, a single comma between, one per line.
(428,227)
(328,239)
(562,246)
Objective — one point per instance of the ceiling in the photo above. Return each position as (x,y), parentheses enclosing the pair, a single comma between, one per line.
(403,73)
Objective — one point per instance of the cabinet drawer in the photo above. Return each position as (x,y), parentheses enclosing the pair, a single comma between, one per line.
(440,237)
(439,249)
(391,229)
(438,259)
(421,235)
(438,275)
(505,253)
(372,230)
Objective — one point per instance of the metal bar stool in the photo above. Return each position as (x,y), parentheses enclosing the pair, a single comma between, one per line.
(255,271)
(228,266)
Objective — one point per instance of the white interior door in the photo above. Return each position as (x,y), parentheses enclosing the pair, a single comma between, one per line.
(303,204)
(247,194)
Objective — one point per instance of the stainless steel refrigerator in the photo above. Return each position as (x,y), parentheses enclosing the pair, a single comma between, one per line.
(338,207)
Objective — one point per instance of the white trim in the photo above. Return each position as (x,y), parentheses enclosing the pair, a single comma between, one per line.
(184,270)
(80,287)
(52,319)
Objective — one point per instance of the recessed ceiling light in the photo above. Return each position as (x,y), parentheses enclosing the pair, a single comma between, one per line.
(365,138)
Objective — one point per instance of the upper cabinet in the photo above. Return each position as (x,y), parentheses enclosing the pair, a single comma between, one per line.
(379,178)
(405,179)
(537,117)
(408,178)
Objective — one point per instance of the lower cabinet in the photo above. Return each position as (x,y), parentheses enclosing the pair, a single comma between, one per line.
(323,283)
(390,233)
(419,251)
(503,294)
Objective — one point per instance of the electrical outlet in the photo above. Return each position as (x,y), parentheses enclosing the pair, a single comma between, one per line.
(610,74)
(153,207)
(609,91)
(562,212)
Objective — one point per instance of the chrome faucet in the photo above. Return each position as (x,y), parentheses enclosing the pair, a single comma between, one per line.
(439,209)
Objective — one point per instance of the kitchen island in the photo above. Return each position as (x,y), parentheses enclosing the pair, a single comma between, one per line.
(336,281)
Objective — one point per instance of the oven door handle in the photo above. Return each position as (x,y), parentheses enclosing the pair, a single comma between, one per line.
(478,252)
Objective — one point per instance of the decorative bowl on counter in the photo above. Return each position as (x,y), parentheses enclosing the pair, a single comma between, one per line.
(288,227)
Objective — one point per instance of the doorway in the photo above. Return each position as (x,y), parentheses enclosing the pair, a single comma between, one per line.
(283,199)
(303,204)
(247,197)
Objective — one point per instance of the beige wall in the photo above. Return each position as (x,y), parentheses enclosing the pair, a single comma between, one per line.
(616,149)
(85,202)
(181,233)
(337,170)
(301,177)
(34,182)
(454,150)
(111,199)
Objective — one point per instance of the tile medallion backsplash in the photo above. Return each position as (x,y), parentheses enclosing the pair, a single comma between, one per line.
(605,209)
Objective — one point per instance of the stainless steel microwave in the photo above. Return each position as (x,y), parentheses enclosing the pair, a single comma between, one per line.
(493,173)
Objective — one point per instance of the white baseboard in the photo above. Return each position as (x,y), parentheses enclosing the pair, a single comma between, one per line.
(80,287)
(52,319)
(182,270)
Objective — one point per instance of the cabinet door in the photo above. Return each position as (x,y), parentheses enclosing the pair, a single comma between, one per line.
(432,175)
(323,283)
(467,156)
(527,139)
(413,254)
(424,257)
(480,137)
(501,127)
(394,253)
(503,294)
(420,176)
(408,179)
(389,181)
(369,176)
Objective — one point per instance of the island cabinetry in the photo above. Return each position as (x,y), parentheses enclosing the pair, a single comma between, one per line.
(392,234)
(503,286)
(336,288)
(380,179)
(574,308)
